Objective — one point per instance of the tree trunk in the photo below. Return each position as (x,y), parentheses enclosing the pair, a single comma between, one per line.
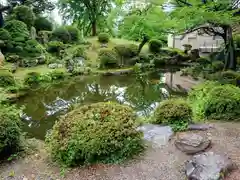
(230,54)
(1,20)
(94,28)
(144,41)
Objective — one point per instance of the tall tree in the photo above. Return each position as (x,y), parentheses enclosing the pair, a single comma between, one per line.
(86,12)
(215,18)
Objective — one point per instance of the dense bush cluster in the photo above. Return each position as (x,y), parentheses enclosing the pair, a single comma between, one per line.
(174,112)
(103,37)
(24,14)
(155,45)
(217,66)
(100,132)
(43,24)
(17,29)
(6,78)
(211,100)
(74,33)
(108,58)
(126,51)
(10,129)
(55,46)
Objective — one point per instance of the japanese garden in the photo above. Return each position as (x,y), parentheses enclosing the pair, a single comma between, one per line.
(120,89)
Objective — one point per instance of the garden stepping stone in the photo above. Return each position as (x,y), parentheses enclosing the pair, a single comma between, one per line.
(208,166)
(192,143)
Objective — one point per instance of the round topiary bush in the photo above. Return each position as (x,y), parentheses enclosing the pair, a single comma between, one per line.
(217,66)
(43,24)
(4,35)
(212,100)
(32,78)
(74,33)
(103,37)
(6,78)
(155,45)
(108,58)
(174,112)
(24,14)
(126,51)
(10,130)
(100,132)
(55,46)
(61,34)
(17,29)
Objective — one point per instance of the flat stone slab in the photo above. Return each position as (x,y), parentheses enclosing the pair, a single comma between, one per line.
(158,135)
(208,166)
(200,127)
(192,143)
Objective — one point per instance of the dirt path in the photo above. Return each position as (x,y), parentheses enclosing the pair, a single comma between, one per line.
(165,163)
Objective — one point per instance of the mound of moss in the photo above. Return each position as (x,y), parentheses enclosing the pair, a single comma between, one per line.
(100,132)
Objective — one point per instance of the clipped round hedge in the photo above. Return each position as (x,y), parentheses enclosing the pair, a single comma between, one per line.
(126,51)
(6,78)
(217,66)
(100,132)
(155,45)
(173,111)
(108,58)
(32,78)
(17,29)
(61,34)
(211,100)
(74,33)
(55,46)
(4,35)
(103,37)
(24,14)
(10,130)
(43,24)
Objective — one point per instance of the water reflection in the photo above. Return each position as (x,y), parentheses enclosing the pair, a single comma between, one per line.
(44,106)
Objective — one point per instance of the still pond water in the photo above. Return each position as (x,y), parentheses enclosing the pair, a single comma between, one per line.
(44,106)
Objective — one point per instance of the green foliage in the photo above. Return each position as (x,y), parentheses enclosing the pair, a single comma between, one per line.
(61,34)
(212,100)
(95,133)
(126,51)
(43,24)
(57,75)
(32,78)
(108,58)
(203,61)
(217,66)
(5,35)
(155,45)
(55,46)
(103,37)
(174,112)
(33,47)
(17,29)
(6,78)
(10,130)
(24,14)
(13,58)
(74,33)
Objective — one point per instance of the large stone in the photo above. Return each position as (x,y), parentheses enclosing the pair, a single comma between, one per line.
(192,143)
(208,166)
(156,134)
(1,59)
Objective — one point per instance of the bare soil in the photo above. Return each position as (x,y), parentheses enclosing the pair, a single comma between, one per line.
(165,163)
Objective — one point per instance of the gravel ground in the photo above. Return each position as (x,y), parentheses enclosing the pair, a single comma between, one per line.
(165,163)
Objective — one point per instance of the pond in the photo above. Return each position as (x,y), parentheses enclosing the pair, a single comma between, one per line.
(44,105)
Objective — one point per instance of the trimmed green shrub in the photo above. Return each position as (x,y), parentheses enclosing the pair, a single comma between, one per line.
(126,51)
(203,61)
(174,112)
(95,133)
(108,58)
(55,46)
(13,58)
(24,14)
(217,66)
(6,78)
(211,100)
(159,61)
(74,33)
(33,47)
(17,29)
(5,35)
(10,130)
(103,37)
(32,78)
(61,34)
(57,74)
(43,24)
(155,45)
